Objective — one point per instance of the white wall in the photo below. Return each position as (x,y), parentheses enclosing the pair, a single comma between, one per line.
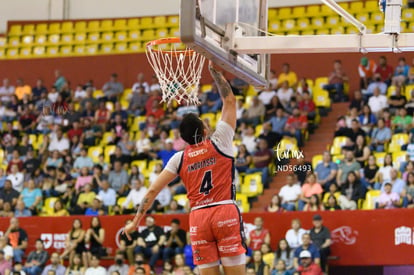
(80,9)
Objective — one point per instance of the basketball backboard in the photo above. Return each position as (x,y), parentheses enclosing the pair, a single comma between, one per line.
(207,26)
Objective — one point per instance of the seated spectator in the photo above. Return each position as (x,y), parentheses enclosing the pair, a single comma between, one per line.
(54,266)
(307,245)
(351,192)
(362,151)
(90,133)
(347,165)
(266,95)
(150,241)
(258,236)
(278,121)
(7,210)
(261,160)
(337,79)
(18,239)
(83,179)
(113,88)
(135,195)
(95,208)
(280,268)
(15,160)
(119,155)
(284,253)
(127,246)
(388,199)
(139,267)
(174,208)
(258,264)
(95,267)
(254,113)
(366,70)
(6,91)
(307,106)
(401,73)
(107,194)
(357,101)
(36,260)
(5,265)
(118,127)
(59,142)
(243,159)
(126,144)
(409,106)
(21,211)
(249,139)
(290,193)
(401,123)
(271,137)
(176,239)
(137,101)
(408,192)
(16,178)
(377,102)
(314,204)
(303,86)
(332,203)
(118,179)
(355,131)
(8,194)
(384,70)
(275,205)
(83,161)
(212,102)
(287,75)
(309,188)
(167,153)
(135,174)
(396,101)
(75,242)
(6,248)
(58,210)
(377,83)
(326,171)
(55,160)
(76,267)
(268,255)
(119,265)
(368,178)
(307,265)
(94,239)
(384,173)
(397,183)
(86,198)
(285,93)
(295,124)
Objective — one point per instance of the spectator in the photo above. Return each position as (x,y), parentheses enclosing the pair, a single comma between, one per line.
(137,101)
(307,245)
(167,153)
(332,203)
(349,164)
(174,208)
(366,70)
(355,129)
(278,122)
(113,88)
(268,255)
(119,265)
(249,139)
(119,155)
(75,242)
(83,161)
(8,194)
(135,195)
(16,178)
(285,94)
(295,124)
(6,91)
(311,187)
(368,178)
(290,193)
(261,160)
(397,183)
(36,260)
(94,239)
(5,265)
(6,248)
(21,211)
(388,199)
(321,238)
(280,268)
(362,151)
(384,173)
(243,159)
(377,83)
(266,95)
(141,84)
(139,265)
(396,101)
(31,196)
(384,70)
(258,236)
(258,264)
(54,265)
(377,102)
(176,239)
(180,267)
(351,192)
(337,79)
(284,253)
(213,102)
(287,75)
(254,113)
(401,123)
(326,171)
(294,236)
(95,268)
(275,205)
(127,246)
(59,143)
(150,241)
(126,144)
(58,210)
(107,194)
(118,178)
(380,136)
(314,204)
(17,238)
(83,179)
(271,137)
(76,267)
(307,265)
(401,73)
(95,208)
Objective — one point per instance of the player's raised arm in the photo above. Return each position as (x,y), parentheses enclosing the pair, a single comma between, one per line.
(229,100)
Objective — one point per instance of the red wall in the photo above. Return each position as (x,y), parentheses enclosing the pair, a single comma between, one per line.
(99,68)
(377,237)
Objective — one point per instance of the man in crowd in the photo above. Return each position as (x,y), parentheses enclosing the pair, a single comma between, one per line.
(176,240)
(307,265)
(307,245)
(290,193)
(258,236)
(36,260)
(326,171)
(17,238)
(321,238)
(54,265)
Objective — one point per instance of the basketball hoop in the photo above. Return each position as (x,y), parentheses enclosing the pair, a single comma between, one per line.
(178,70)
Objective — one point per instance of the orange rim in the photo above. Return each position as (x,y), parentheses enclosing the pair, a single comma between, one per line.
(168,40)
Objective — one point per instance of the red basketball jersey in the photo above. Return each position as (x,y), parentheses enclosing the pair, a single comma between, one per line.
(256,241)
(207,174)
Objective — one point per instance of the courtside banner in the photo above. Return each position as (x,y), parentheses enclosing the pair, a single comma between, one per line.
(377,237)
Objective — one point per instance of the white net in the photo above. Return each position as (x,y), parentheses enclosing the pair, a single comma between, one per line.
(178,69)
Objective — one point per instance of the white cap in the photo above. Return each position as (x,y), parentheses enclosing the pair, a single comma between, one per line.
(305,254)
(168,140)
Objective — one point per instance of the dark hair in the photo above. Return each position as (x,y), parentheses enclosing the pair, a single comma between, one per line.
(192,129)
(39,240)
(176,221)
(96,217)
(279,251)
(140,268)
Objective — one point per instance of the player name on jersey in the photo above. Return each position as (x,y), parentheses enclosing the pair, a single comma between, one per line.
(201,164)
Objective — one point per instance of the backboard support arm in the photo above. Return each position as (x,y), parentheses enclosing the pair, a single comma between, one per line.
(346,15)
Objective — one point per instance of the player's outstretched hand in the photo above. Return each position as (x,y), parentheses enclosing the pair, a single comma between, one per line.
(130,227)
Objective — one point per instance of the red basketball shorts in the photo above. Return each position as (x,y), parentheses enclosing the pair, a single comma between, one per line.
(216,232)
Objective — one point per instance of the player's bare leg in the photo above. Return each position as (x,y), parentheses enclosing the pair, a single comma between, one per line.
(214,270)
(235,270)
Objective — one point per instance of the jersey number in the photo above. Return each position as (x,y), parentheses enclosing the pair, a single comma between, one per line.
(206,184)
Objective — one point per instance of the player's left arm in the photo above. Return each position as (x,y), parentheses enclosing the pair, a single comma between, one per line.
(162,180)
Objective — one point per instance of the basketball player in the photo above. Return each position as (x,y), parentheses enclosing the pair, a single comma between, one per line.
(206,167)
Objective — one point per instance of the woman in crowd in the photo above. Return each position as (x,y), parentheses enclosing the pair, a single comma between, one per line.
(179,267)
(294,235)
(311,187)
(314,204)
(384,173)
(362,151)
(136,174)
(75,241)
(284,252)
(243,159)
(408,193)
(351,192)
(268,255)
(369,173)
(76,268)
(367,119)
(94,239)
(275,205)
(258,264)
(332,204)
(83,179)
(58,210)
(280,268)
